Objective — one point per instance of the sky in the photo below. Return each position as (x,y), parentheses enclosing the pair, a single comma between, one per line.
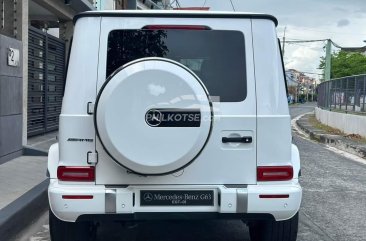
(343,21)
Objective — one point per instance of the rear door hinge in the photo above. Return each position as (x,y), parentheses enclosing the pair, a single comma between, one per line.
(90,108)
(92,158)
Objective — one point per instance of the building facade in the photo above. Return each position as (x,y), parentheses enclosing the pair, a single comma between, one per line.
(299,84)
(35,36)
(132,4)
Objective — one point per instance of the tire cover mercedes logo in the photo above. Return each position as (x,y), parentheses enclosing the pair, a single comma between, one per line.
(153,117)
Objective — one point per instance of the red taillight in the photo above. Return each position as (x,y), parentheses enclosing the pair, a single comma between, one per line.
(76,174)
(176,27)
(82,197)
(275,173)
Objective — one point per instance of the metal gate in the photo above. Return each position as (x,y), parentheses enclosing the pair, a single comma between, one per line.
(46,63)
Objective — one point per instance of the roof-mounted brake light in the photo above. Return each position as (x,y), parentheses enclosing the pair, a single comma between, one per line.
(176,27)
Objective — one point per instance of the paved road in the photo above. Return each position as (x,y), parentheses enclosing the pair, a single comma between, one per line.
(333,208)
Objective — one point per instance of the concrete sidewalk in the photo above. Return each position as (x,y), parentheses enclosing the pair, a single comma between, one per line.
(23,186)
(20,175)
(341,142)
(43,142)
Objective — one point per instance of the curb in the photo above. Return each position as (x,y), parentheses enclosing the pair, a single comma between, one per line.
(336,141)
(31,151)
(21,212)
(26,151)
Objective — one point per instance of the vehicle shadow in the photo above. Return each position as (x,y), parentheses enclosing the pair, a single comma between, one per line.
(215,230)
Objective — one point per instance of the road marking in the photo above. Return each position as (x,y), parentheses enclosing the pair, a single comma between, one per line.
(305,136)
(346,154)
(298,129)
(306,220)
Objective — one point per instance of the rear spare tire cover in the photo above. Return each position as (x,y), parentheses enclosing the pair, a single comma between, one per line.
(153,116)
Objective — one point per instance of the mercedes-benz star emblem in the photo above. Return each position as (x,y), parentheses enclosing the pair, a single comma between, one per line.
(148,197)
(153,118)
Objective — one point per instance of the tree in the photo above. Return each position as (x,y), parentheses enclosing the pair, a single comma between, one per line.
(125,46)
(345,64)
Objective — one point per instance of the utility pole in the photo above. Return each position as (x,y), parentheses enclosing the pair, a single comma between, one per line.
(166,4)
(328,60)
(283,42)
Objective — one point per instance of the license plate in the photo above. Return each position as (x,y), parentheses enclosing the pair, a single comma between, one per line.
(176,198)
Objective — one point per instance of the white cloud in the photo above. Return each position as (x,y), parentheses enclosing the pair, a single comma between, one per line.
(305,20)
(302,58)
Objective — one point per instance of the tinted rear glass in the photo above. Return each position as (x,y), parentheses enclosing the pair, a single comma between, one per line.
(216,56)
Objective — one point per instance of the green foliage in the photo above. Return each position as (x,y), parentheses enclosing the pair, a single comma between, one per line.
(345,64)
(128,45)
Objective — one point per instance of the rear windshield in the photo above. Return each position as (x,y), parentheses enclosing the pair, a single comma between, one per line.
(216,56)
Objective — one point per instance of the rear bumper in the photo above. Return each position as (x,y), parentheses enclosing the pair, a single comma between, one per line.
(123,203)
(247,217)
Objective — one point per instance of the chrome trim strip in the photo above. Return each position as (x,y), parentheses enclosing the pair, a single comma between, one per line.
(235,185)
(110,200)
(241,200)
(115,186)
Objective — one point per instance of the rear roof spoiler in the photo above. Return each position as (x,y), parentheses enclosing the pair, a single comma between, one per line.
(174,14)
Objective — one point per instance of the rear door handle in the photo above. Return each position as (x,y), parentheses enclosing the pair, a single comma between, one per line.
(244,139)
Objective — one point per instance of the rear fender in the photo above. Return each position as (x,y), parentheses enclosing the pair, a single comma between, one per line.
(53,159)
(295,159)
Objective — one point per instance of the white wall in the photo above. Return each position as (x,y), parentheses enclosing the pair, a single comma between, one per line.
(348,123)
(106,5)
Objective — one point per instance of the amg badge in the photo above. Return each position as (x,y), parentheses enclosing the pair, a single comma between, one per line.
(80,139)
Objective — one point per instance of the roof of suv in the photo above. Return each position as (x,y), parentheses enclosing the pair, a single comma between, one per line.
(175,14)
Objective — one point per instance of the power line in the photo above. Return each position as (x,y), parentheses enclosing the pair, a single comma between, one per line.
(293,38)
(336,45)
(340,47)
(178,4)
(315,40)
(304,72)
(171,4)
(232,5)
(325,31)
(303,45)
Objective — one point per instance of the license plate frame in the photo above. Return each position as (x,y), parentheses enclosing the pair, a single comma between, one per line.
(172,198)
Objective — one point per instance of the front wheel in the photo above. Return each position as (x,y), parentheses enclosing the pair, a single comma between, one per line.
(68,231)
(274,230)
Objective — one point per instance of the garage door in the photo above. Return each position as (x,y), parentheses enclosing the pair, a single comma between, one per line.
(46,82)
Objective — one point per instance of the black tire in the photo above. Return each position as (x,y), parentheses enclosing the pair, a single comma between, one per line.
(274,230)
(68,231)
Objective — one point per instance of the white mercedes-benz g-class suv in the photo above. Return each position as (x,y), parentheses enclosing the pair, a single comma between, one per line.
(174,115)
